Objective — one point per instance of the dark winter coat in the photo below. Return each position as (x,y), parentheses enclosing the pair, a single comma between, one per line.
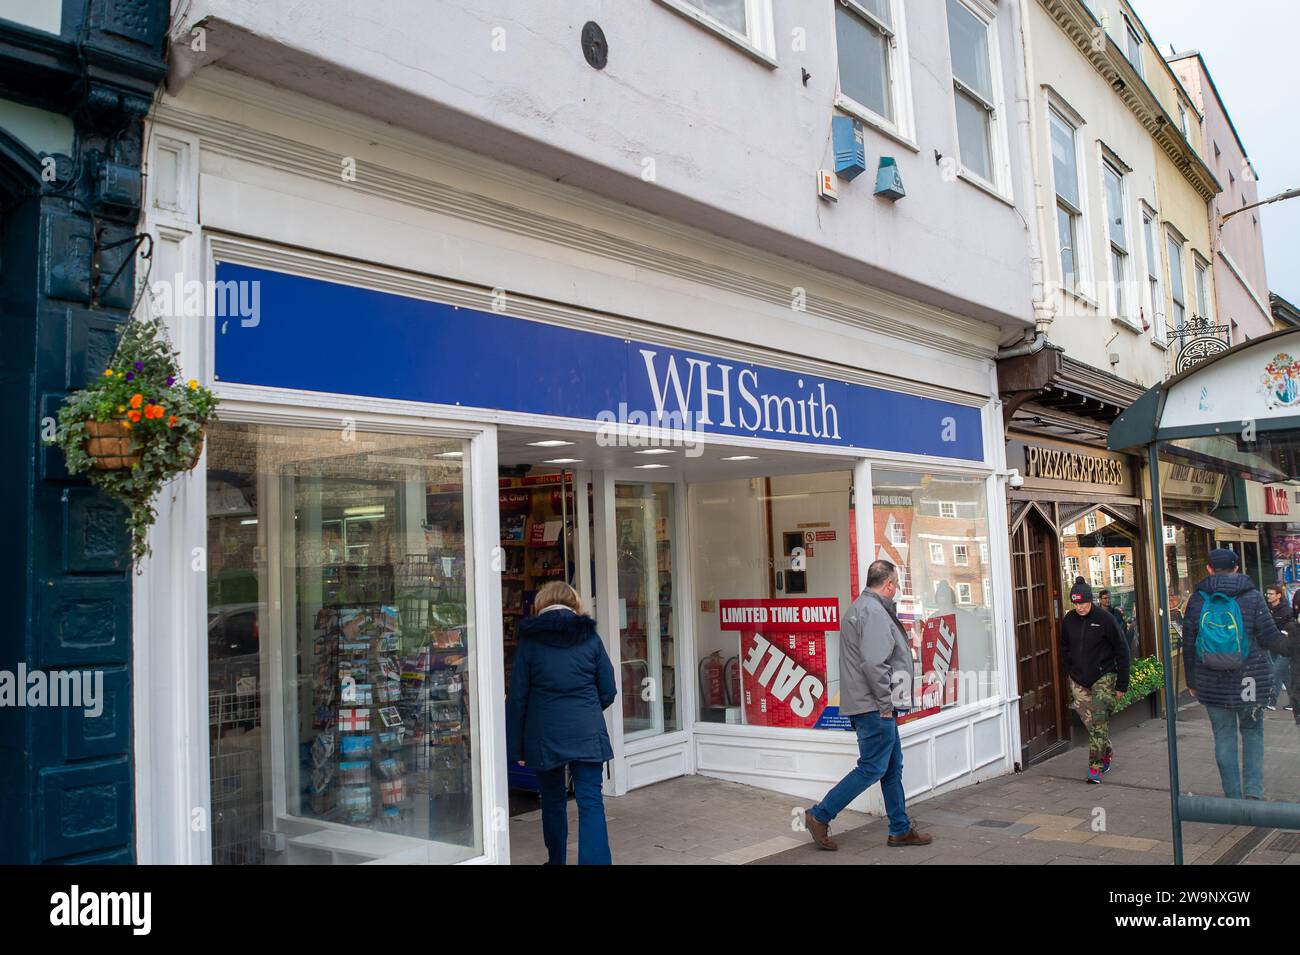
(1287,623)
(1226,687)
(561,683)
(1092,646)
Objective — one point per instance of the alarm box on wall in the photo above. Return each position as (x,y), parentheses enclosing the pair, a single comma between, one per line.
(850,147)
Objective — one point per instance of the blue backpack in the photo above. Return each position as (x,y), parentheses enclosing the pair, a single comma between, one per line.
(1221,640)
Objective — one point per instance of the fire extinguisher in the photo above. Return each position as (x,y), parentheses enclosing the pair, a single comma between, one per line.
(733,681)
(712,687)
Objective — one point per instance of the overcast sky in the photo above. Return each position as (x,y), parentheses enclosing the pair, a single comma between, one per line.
(1250,48)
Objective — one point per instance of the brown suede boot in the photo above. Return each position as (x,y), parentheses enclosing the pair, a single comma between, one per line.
(911,838)
(820,831)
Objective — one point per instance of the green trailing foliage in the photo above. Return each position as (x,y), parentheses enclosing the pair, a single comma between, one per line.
(142,392)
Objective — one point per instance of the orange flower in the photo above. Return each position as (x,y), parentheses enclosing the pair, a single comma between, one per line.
(172,421)
(133,415)
(136,399)
(161,411)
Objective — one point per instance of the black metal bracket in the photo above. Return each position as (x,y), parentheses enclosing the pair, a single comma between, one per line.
(135,241)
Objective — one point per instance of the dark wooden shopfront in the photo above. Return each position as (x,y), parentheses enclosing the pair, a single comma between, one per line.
(1072,490)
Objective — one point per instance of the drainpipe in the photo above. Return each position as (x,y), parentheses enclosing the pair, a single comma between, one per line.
(1032,347)
(1044,310)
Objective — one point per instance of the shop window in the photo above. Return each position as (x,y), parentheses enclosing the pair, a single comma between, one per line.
(343,726)
(763,549)
(645,525)
(951,634)
(959,555)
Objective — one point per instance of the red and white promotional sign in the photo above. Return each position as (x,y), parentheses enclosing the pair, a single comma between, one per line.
(938,653)
(782,657)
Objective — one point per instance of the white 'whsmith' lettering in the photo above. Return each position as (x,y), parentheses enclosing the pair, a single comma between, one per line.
(806,415)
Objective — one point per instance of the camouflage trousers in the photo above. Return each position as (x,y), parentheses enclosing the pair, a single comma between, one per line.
(1094,705)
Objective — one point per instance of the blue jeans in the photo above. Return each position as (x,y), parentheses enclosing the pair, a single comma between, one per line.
(880,758)
(593,837)
(1227,721)
(1281,667)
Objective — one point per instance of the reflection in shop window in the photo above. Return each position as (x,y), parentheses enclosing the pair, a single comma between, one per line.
(341,648)
(1071,569)
(951,635)
(1117,563)
(1094,571)
(959,555)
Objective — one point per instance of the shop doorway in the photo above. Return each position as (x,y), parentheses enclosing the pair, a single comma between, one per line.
(1037,599)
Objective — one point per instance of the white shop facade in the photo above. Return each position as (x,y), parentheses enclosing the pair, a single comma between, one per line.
(444,383)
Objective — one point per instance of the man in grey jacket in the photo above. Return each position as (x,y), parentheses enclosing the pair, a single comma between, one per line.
(876,679)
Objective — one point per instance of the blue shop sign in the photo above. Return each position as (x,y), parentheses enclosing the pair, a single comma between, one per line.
(287,331)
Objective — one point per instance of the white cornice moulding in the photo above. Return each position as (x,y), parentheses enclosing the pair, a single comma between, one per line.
(948,331)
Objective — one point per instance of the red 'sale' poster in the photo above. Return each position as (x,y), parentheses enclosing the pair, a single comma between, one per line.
(782,657)
(938,669)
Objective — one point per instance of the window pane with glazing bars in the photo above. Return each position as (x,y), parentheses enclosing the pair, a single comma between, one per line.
(1176,280)
(730,13)
(968,41)
(1065,237)
(1064,168)
(1114,207)
(973,135)
(863,49)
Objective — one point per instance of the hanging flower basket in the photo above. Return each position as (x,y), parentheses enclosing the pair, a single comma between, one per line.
(137,426)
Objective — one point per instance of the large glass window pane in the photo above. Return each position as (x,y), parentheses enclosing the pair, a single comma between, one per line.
(949,614)
(728,12)
(969,43)
(1065,238)
(773,573)
(1064,167)
(341,648)
(973,136)
(1114,206)
(863,53)
(645,525)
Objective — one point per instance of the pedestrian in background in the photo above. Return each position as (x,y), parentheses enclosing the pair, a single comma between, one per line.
(876,682)
(1284,667)
(1096,662)
(561,684)
(1103,598)
(1226,631)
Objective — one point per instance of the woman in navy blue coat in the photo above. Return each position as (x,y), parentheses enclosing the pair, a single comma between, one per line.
(561,683)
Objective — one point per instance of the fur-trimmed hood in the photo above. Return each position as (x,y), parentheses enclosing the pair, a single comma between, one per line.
(558,628)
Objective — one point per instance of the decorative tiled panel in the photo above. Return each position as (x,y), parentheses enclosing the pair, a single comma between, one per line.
(84,807)
(83,621)
(94,532)
(99,726)
(91,339)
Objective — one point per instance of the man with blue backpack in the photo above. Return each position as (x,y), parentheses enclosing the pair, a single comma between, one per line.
(1227,628)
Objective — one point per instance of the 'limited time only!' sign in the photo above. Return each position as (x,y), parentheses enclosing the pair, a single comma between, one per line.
(782,657)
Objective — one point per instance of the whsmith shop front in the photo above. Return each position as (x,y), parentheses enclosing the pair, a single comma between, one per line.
(409,446)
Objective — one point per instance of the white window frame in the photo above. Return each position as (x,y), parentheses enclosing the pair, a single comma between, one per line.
(1090,524)
(896,532)
(1082,237)
(999,149)
(963,588)
(944,507)
(984,554)
(1201,286)
(1096,571)
(988,593)
(760,40)
(1072,567)
(1155,295)
(1112,162)
(960,555)
(1171,534)
(1132,46)
(936,554)
(904,581)
(903,126)
(1174,238)
(1182,120)
(1122,580)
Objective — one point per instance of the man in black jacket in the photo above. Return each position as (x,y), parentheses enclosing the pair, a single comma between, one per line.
(1096,661)
(1285,670)
(1234,697)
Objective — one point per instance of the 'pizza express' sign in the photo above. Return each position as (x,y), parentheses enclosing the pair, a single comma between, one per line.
(1047,465)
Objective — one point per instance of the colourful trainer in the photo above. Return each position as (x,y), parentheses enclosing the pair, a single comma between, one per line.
(1094,774)
(1105,763)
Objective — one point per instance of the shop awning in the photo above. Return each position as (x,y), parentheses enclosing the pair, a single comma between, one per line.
(1221,530)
